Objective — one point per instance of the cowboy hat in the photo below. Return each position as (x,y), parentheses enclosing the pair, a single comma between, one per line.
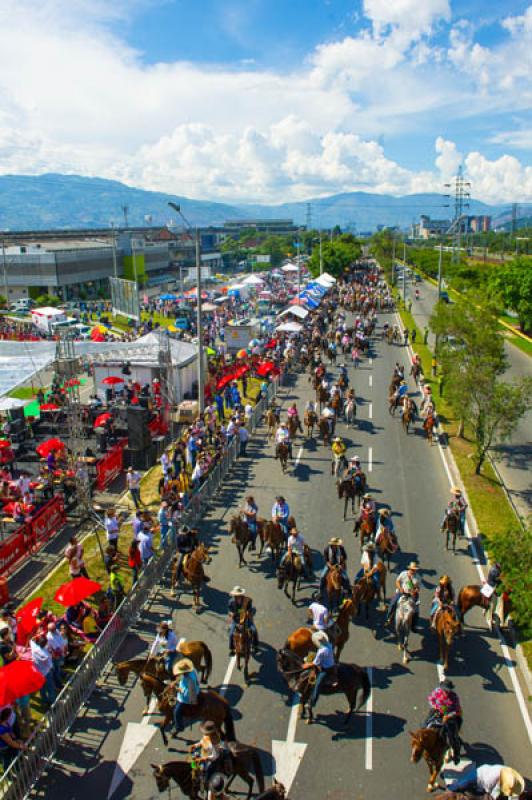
(319,638)
(183,666)
(337,439)
(217,784)
(369,547)
(413,565)
(512,783)
(237,591)
(445,579)
(384,512)
(209,728)
(335,540)
(456,490)
(368,496)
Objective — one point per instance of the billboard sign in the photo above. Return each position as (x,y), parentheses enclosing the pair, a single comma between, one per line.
(125,298)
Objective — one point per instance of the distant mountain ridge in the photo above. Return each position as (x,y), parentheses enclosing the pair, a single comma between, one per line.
(55,201)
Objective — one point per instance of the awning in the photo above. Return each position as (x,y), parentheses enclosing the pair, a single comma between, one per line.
(297,311)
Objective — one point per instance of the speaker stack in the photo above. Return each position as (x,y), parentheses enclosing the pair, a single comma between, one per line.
(140,453)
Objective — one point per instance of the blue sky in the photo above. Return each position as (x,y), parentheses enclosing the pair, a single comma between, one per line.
(270,100)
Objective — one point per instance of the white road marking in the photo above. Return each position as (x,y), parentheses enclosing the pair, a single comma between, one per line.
(227,677)
(370,381)
(370,361)
(288,755)
(292,723)
(370,411)
(300,453)
(369,723)
(370,459)
(137,737)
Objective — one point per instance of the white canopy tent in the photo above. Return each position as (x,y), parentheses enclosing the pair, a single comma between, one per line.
(290,327)
(290,267)
(297,311)
(326,280)
(253,280)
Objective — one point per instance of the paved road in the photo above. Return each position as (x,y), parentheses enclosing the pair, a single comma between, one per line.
(517,454)
(370,759)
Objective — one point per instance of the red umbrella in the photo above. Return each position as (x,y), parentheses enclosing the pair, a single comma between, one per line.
(102,419)
(224,381)
(265,368)
(73,382)
(271,344)
(44,448)
(112,380)
(18,679)
(49,407)
(27,619)
(4,444)
(75,591)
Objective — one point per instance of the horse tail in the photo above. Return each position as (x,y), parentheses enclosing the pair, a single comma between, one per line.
(229,725)
(459,605)
(366,689)
(208,662)
(257,768)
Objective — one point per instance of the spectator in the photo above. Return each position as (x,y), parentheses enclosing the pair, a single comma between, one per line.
(133,484)
(112,528)
(10,745)
(74,556)
(134,560)
(138,523)
(7,647)
(42,660)
(145,546)
(90,626)
(164,522)
(58,648)
(244,438)
(116,585)
(110,557)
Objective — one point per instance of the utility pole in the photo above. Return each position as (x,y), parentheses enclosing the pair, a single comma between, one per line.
(321,255)
(440,261)
(298,248)
(462,195)
(125,210)
(113,243)
(309,217)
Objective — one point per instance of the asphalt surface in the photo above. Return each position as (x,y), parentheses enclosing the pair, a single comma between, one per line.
(369,759)
(516,455)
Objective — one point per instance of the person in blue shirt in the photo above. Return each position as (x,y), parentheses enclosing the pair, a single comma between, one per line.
(280,513)
(323,662)
(235,395)
(187,688)
(218,399)
(228,396)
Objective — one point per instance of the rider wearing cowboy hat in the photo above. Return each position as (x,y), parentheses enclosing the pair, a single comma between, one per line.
(407,583)
(187,688)
(323,661)
(490,780)
(385,522)
(239,604)
(443,596)
(446,712)
(209,751)
(459,504)
(334,555)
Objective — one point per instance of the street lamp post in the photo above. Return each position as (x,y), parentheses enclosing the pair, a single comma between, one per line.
(321,255)
(440,260)
(4,267)
(201,379)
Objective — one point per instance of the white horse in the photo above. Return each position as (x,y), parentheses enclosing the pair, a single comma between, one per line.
(350,411)
(404,619)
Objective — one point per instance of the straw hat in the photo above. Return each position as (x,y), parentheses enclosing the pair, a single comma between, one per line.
(368,496)
(445,579)
(209,728)
(337,439)
(335,540)
(456,490)
(384,512)
(183,666)
(319,638)
(512,783)
(237,591)
(413,565)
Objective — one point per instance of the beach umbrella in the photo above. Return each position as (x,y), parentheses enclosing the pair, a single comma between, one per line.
(49,407)
(5,444)
(242,354)
(168,296)
(44,448)
(18,679)
(9,403)
(112,380)
(76,590)
(27,619)
(102,419)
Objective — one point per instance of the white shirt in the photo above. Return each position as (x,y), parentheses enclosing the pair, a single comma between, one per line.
(41,658)
(165,463)
(162,644)
(488,779)
(282,435)
(407,582)
(57,644)
(320,616)
(296,543)
(111,527)
(133,480)
(327,412)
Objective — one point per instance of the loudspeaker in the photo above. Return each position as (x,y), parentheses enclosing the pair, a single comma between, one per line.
(137,428)
(17,414)
(140,459)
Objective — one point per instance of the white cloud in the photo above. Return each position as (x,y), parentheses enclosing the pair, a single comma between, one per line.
(75,98)
(520,139)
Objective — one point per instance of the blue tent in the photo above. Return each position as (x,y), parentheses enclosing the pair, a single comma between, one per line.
(168,297)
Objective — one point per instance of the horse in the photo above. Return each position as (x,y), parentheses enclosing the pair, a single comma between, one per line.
(333,587)
(322,395)
(300,641)
(407,416)
(290,570)
(193,572)
(350,679)
(336,404)
(293,426)
(274,538)
(240,536)
(242,760)
(310,419)
(470,596)
(242,642)
(140,666)
(429,743)
(271,422)
(325,431)
(366,528)
(351,488)
(210,706)
(447,626)
(386,544)
(428,427)
(451,528)
(404,620)
(365,591)
(350,410)
(281,453)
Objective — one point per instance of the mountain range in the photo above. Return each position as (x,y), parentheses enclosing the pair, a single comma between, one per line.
(55,201)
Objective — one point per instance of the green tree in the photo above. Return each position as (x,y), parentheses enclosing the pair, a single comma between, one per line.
(338,255)
(512,282)
(48,300)
(3,301)
(513,549)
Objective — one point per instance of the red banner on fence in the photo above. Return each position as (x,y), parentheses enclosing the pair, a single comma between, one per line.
(12,550)
(48,521)
(109,467)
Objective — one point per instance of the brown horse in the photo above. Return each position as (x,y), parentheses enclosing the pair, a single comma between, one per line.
(300,641)
(470,596)
(336,404)
(310,419)
(386,544)
(281,452)
(429,744)
(451,528)
(325,431)
(274,539)
(350,679)
(242,761)
(428,427)
(293,426)
(242,642)
(271,422)
(290,570)
(365,590)
(321,395)
(352,487)
(240,537)
(407,416)
(194,574)
(447,626)
(333,587)
(366,529)
(210,706)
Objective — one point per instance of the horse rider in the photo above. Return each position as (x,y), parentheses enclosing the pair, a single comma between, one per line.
(295,546)
(208,753)
(385,523)
(343,375)
(402,391)
(165,645)
(459,502)
(490,781)
(239,604)
(323,662)
(276,410)
(185,543)
(310,406)
(280,513)
(293,413)
(249,516)
(443,596)
(330,417)
(320,616)
(368,508)
(282,436)
(187,688)
(335,556)
(409,585)
(446,713)
(491,584)
(339,450)
(369,565)
(399,370)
